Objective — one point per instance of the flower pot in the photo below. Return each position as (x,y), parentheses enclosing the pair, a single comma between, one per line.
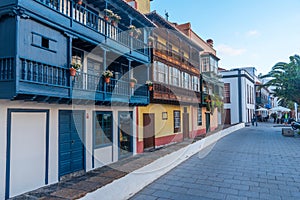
(132,84)
(106,18)
(113,23)
(72,71)
(107,80)
(150,87)
(79,2)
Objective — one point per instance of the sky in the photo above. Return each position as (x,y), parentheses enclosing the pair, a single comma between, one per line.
(246,33)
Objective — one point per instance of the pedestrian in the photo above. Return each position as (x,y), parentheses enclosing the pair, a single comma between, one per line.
(254,120)
(286,118)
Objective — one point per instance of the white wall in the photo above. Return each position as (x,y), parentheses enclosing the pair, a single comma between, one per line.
(53,135)
(234,94)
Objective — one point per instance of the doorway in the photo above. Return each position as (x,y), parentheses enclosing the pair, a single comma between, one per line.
(125,134)
(185,121)
(149,130)
(207,119)
(71,140)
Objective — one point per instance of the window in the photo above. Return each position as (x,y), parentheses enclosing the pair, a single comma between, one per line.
(174,76)
(161,72)
(213,65)
(169,48)
(205,64)
(248,94)
(43,42)
(185,80)
(196,86)
(103,129)
(176,121)
(199,116)
(226,92)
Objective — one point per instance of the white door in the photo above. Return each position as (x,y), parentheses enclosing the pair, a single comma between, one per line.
(28,152)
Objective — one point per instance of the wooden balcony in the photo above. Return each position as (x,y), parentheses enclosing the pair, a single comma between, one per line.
(83,22)
(35,81)
(175,58)
(163,92)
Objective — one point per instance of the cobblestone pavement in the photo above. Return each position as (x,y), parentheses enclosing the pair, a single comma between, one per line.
(252,163)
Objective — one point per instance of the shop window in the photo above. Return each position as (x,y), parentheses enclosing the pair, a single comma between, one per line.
(176,121)
(103,131)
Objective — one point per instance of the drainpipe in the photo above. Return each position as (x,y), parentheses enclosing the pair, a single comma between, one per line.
(240,95)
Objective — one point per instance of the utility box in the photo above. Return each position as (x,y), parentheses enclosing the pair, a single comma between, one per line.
(288,132)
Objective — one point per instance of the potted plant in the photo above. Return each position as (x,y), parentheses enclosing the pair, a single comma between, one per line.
(115,19)
(150,40)
(108,14)
(79,2)
(150,85)
(131,30)
(107,74)
(137,33)
(132,82)
(74,68)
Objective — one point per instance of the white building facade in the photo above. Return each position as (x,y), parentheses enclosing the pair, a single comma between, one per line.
(239,95)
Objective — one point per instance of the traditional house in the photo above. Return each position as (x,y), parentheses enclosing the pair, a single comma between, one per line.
(55,123)
(174,112)
(211,86)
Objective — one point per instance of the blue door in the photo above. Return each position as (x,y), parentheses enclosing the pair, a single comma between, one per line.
(71,140)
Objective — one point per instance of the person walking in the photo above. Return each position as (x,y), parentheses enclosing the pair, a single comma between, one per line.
(254,120)
(286,118)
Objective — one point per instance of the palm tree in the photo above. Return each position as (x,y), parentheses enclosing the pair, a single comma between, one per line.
(285,77)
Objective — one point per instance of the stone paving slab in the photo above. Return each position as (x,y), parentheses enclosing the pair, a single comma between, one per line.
(252,163)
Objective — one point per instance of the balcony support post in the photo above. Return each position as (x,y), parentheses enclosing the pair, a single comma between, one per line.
(17,60)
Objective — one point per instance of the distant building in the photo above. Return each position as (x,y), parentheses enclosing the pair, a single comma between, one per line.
(239,95)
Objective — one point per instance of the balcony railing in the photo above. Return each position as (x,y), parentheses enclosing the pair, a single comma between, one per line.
(167,92)
(37,72)
(93,21)
(94,83)
(6,69)
(176,57)
(40,79)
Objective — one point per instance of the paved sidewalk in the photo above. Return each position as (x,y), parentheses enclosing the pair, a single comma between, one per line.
(252,163)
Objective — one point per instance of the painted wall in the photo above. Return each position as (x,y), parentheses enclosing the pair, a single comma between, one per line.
(141,5)
(233,105)
(164,129)
(7,37)
(246,79)
(105,155)
(30,34)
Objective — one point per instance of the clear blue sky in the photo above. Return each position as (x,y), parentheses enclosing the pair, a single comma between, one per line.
(256,33)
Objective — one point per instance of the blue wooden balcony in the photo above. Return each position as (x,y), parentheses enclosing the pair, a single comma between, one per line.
(36,81)
(86,24)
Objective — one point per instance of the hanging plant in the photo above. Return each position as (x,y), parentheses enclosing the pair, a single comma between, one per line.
(108,14)
(115,19)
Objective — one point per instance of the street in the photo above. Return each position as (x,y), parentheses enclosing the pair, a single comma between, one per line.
(252,163)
